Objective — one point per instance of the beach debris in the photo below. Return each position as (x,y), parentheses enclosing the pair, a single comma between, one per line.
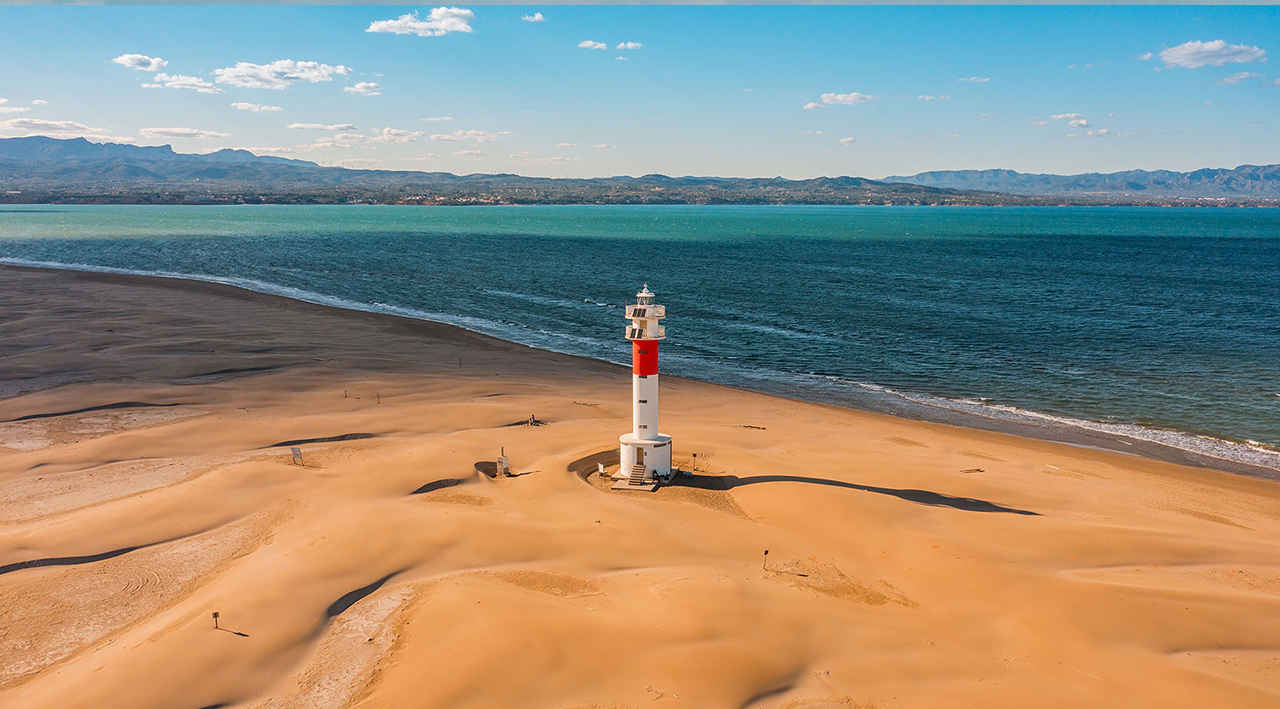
(747,425)
(297,456)
(972,470)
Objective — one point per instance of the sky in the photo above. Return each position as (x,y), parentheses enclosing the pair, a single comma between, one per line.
(586,91)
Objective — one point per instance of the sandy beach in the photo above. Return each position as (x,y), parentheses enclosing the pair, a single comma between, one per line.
(146,482)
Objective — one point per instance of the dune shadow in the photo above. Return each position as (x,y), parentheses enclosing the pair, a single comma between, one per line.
(324,439)
(922,497)
(438,485)
(350,599)
(87,409)
(66,560)
(586,465)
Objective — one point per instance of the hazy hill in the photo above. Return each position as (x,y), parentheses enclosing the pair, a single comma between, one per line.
(40,169)
(1259,181)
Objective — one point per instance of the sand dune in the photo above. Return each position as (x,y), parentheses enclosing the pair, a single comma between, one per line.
(143,487)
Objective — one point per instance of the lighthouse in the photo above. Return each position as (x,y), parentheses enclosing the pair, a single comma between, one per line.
(645,452)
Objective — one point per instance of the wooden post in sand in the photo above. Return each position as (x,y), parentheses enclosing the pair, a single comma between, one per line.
(215,621)
(766,560)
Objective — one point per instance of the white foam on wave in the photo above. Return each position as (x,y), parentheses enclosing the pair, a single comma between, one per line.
(1249,452)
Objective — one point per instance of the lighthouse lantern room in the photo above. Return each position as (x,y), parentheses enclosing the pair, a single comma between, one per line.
(645,452)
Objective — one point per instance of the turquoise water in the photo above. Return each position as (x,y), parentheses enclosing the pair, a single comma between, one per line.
(1153,324)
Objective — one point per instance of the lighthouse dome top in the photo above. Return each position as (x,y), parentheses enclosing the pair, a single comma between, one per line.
(645,296)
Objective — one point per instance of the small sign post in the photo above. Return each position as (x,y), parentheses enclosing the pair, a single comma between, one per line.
(215,621)
(766,560)
(297,456)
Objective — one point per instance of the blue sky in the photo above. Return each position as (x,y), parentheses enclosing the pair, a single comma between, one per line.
(709,91)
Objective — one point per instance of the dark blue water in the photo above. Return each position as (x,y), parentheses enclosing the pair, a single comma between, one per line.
(1157,324)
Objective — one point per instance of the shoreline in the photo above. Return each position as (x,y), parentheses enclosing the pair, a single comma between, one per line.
(854,396)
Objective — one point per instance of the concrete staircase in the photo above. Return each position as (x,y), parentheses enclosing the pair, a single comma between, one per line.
(637,474)
(636,481)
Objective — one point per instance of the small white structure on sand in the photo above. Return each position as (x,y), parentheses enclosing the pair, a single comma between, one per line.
(645,453)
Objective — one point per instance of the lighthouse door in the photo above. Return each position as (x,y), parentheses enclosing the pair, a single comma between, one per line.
(639,455)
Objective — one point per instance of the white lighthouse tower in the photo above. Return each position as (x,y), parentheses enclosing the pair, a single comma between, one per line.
(645,453)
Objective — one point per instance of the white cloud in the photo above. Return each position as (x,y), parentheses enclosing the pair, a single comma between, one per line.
(42,126)
(397,135)
(179,81)
(604,146)
(472,153)
(1193,55)
(15,109)
(475,136)
(321,126)
(1075,120)
(848,99)
(440,21)
(1146,57)
(141,62)
(180,133)
(364,88)
(815,132)
(1039,123)
(535,17)
(566,145)
(4,100)
(349,140)
(986,115)
(39,102)
(254,107)
(438,119)
(278,74)
(1099,132)
(928,97)
(629,45)
(1238,77)
(848,141)
(553,160)
(974,79)
(589,44)
(813,106)
(621,58)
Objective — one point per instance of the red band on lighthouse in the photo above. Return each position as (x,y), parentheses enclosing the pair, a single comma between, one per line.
(644,357)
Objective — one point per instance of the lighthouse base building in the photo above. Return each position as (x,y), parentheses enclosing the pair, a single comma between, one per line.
(645,452)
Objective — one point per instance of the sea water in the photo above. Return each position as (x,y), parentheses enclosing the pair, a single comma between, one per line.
(1140,324)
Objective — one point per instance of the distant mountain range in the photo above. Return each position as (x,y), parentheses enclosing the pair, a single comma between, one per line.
(1248,181)
(50,170)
